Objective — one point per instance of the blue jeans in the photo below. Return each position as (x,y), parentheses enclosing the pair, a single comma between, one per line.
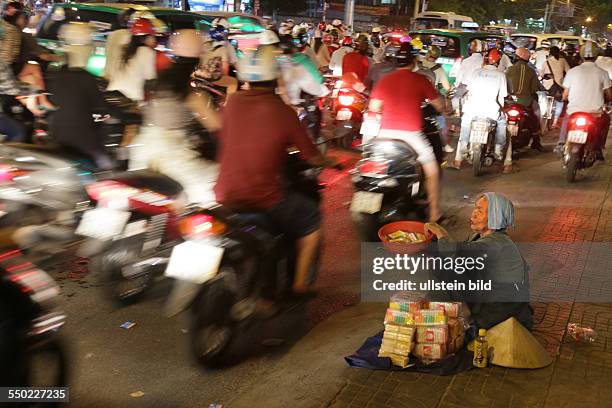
(466,124)
(12,129)
(441,120)
(558,109)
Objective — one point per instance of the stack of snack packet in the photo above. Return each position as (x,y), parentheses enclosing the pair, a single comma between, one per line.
(439,331)
(455,325)
(398,338)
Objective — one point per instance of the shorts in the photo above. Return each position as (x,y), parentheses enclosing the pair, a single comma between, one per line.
(415,139)
(295,216)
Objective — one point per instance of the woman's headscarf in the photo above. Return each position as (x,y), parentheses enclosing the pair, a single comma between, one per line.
(501,211)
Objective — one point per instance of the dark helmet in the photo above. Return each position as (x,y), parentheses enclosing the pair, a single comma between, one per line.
(218,33)
(286,44)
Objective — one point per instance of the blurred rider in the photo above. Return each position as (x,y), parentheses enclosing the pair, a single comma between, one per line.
(215,60)
(163,144)
(486,91)
(377,48)
(115,43)
(337,58)
(251,168)
(357,62)
(398,97)
(466,69)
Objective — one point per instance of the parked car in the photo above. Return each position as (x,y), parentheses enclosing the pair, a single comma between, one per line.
(454,45)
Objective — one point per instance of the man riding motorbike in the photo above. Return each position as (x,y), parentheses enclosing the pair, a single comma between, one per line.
(377,48)
(75,91)
(251,168)
(215,60)
(337,58)
(163,145)
(486,91)
(357,62)
(398,97)
(587,88)
(524,84)
(466,69)
(505,62)
(442,85)
(377,71)
(13,130)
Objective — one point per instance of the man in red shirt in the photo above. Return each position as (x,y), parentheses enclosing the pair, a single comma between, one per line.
(398,97)
(258,128)
(357,61)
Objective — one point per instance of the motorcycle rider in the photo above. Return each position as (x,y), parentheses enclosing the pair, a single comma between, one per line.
(505,62)
(273,127)
(336,60)
(215,60)
(524,84)
(466,69)
(587,88)
(377,71)
(541,55)
(443,85)
(377,48)
(486,91)
(75,91)
(555,69)
(320,46)
(357,62)
(163,145)
(115,42)
(398,97)
(301,41)
(137,67)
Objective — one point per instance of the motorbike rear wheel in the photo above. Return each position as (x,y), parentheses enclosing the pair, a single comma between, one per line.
(571,168)
(477,160)
(212,330)
(109,265)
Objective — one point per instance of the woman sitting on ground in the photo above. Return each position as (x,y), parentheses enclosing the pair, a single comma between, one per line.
(504,266)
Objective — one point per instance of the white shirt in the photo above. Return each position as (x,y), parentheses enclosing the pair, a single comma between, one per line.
(605,63)
(586,84)
(114,50)
(468,66)
(487,88)
(297,79)
(336,60)
(559,68)
(504,63)
(540,58)
(130,79)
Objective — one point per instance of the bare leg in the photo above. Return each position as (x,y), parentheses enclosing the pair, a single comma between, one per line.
(37,78)
(432,186)
(307,251)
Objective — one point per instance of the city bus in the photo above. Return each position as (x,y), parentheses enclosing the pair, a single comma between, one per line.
(432,20)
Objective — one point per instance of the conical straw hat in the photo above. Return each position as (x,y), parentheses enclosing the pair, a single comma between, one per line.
(512,345)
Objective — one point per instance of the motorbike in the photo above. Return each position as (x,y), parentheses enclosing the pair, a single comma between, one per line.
(388,180)
(582,146)
(520,124)
(309,113)
(482,141)
(547,111)
(348,109)
(32,353)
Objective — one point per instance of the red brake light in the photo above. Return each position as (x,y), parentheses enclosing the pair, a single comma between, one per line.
(201,226)
(374,167)
(580,121)
(346,100)
(8,173)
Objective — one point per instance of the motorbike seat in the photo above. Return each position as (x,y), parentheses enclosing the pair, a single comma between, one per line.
(146,179)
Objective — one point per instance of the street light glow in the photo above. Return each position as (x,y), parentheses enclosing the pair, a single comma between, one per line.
(589,19)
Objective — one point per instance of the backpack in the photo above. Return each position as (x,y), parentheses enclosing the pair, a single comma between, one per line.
(213,68)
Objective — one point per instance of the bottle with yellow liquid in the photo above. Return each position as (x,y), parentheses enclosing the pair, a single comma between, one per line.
(480,349)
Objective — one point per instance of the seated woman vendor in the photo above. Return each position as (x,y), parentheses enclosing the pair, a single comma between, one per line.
(504,266)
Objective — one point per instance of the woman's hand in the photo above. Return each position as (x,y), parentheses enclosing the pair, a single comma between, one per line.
(432,228)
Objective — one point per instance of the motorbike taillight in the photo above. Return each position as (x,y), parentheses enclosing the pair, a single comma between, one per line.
(372,167)
(9,173)
(513,113)
(346,100)
(199,226)
(110,193)
(580,121)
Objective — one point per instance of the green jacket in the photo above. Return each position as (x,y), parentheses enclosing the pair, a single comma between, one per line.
(522,82)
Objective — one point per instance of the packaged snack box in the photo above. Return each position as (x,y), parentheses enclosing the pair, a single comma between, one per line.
(452,309)
(430,316)
(430,351)
(397,317)
(404,302)
(432,334)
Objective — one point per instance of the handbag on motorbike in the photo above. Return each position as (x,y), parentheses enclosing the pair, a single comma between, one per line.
(556,90)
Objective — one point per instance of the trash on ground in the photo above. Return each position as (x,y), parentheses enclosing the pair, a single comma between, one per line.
(581,333)
(137,394)
(128,325)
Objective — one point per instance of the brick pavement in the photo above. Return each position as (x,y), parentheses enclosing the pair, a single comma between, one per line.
(581,373)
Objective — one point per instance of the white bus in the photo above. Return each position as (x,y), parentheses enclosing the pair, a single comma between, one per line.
(437,19)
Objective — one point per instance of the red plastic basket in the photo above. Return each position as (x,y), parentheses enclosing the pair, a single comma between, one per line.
(406,226)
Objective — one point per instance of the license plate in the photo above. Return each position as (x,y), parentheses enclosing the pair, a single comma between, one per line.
(513,129)
(479,136)
(194,262)
(365,202)
(102,223)
(577,136)
(344,115)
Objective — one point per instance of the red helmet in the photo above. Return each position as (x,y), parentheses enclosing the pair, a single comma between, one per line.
(347,41)
(322,26)
(142,26)
(493,56)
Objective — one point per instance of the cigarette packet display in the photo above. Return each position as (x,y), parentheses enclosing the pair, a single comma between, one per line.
(397,317)
(430,351)
(452,309)
(394,347)
(397,360)
(430,316)
(404,302)
(432,334)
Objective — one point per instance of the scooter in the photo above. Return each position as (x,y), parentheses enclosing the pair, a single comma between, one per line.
(520,124)
(31,351)
(482,139)
(348,109)
(582,146)
(309,113)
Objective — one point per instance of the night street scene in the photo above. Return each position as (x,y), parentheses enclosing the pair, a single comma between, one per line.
(306,203)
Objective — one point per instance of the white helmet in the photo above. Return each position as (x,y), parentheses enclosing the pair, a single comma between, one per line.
(220,21)
(337,23)
(258,66)
(186,43)
(268,37)
(75,33)
(376,29)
